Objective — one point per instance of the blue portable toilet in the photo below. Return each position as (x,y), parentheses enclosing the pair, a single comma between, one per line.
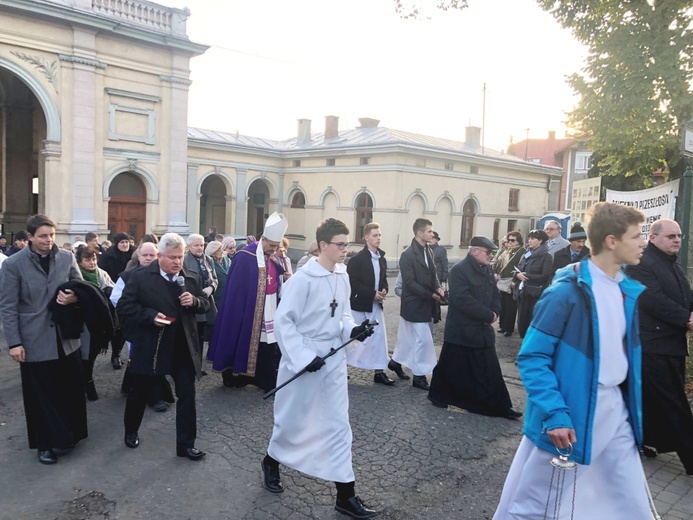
(562,218)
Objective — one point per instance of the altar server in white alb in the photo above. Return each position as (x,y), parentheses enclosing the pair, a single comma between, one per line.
(368,278)
(580,364)
(311,415)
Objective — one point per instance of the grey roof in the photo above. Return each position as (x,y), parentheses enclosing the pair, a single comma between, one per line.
(357,137)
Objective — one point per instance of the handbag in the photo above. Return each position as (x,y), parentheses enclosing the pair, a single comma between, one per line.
(532,290)
(503,284)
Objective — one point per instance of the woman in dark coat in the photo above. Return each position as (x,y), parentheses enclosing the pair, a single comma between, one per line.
(504,267)
(114,261)
(535,270)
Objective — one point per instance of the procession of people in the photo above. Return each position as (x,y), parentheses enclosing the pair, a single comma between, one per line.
(267,324)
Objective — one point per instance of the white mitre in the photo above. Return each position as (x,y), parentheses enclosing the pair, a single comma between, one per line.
(275,227)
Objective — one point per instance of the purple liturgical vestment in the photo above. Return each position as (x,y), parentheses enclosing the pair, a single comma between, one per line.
(236,338)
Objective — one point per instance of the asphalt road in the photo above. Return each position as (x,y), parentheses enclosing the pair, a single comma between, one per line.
(412,460)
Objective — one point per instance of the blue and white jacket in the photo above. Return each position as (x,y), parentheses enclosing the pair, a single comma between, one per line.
(559,361)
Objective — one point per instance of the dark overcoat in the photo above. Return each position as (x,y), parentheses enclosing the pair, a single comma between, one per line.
(362,279)
(473,300)
(665,306)
(419,282)
(145,295)
(563,257)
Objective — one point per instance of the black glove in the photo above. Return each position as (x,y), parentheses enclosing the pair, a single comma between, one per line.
(363,330)
(316,364)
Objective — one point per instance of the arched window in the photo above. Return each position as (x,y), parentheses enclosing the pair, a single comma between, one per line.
(364,214)
(298,200)
(468,214)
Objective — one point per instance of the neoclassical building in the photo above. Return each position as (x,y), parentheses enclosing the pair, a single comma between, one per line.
(93,132)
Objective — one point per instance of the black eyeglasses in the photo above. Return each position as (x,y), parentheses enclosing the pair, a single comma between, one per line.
(511,240)
(340,245)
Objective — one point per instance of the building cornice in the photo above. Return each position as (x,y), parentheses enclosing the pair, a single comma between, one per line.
(67,14)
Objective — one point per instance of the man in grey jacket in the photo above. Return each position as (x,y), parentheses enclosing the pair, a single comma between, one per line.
(50,364)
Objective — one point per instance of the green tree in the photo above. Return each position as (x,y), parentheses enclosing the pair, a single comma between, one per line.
(636,87)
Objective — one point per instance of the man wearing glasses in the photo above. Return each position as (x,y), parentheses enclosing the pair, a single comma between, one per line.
(665,317)
(420,293)
(555,242)
(468,374)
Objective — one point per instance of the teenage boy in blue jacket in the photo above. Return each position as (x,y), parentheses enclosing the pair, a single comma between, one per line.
(580,364)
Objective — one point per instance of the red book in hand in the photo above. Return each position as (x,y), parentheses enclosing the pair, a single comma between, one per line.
(166,320)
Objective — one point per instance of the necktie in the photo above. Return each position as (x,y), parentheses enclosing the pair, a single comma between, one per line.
(170,277)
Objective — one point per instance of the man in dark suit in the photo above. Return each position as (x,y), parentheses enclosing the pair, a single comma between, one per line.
(368,279)
(157,313)
(665,318)
(420,293)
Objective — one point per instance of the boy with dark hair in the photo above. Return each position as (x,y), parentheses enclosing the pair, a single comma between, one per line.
(580,364)
(311,415)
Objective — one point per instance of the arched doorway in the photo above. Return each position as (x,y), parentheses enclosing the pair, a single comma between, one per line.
(258,206)
(127,206)
(22,133)
(212,205)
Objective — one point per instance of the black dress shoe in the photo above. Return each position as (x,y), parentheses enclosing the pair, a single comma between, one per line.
(132,440)
(507,334)
(397,369)
(512,414)
(437,404)
(191,453)
(272,482)
(500,331)
(354,507)
(420,382)
(90,390)
(116,363)
(381,378)
(47,457)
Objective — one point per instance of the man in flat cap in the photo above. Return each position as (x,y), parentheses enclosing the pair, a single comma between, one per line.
(243,345)
(468,374)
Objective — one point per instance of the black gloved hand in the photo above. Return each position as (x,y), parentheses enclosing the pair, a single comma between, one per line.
(316,364)
(362,330)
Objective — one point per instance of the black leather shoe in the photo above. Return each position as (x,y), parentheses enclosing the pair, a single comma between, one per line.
(160,406)
(272,482)
(132,440)
(90,390)
(191,453)
(420,382)
(500,331)
(47,457)
(354,507)
(437,404)
(507,334)
(116,363)
(381,378)
(397,369)
(512,414)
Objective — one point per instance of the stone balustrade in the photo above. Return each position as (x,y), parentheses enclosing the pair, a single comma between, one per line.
(144,13)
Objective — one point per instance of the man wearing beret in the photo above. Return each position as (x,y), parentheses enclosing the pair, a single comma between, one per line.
(468,374)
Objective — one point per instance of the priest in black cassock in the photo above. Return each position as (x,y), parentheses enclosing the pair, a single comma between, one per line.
(468,374)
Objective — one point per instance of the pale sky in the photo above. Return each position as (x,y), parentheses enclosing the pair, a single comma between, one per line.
(275,61)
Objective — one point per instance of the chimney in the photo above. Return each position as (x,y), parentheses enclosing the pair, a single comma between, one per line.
(552,135)
(472,135)
(331,127)
(367,122)
(303,136)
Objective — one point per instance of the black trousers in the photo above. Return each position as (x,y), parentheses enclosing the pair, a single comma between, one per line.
(508,312)
(183,374)
(525,310)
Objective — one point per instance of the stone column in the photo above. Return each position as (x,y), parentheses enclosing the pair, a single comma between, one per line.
(193,199)
(241,203)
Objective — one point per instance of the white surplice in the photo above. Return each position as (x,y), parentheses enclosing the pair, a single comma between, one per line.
(370,354)
(613,485)
(414,347)
(311,431)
